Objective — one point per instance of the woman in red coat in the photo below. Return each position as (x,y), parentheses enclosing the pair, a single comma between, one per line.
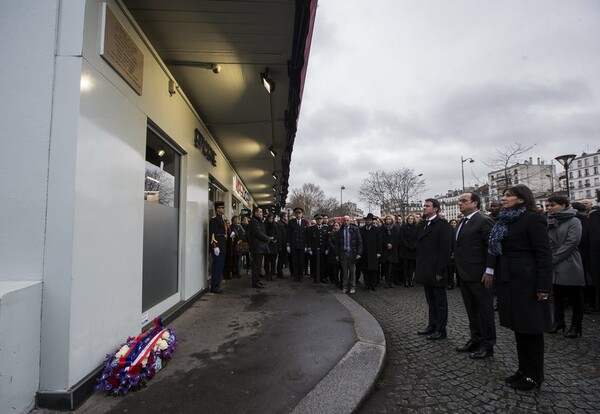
(520,266)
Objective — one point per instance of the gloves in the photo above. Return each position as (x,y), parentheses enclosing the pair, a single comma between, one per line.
(326,252)
(232,234)
(217,251)
(289,250)
(310,252)
(306,250)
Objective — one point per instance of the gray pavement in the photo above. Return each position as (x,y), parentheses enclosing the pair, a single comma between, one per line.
(292,346)
(424,376)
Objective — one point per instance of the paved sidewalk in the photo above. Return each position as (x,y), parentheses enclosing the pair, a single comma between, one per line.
(424,376)
(292,346)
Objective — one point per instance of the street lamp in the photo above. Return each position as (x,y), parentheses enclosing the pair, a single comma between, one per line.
(342,188)
(462,167)
(565,161)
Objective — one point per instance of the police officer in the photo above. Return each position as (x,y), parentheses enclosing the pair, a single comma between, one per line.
(296,242)
(218,244)
(317,236)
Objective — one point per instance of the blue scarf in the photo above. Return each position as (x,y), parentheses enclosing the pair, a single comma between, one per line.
(500,229)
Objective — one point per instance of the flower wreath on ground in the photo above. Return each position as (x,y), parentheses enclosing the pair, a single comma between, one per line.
(136,361)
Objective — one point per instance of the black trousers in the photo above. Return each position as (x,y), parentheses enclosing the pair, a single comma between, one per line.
(479,304)
(333,272)
(575,295)
(371,277)
(270,261)
(409,269)
(281,260)
(297,263)
(318,266)
(437,301)
(257,261)
(530,350)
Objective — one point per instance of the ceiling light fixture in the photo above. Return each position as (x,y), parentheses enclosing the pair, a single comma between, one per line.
(267,81)
(272,151)
(274,175)
(161,153)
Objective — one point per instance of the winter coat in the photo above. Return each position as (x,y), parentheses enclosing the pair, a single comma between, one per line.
(389,235)
(272,232)
(257,237)
(564,231)
(407,245)
(523,270)
(433,252)
(371,240)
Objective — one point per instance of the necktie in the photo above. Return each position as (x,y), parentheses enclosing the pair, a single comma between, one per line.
(299,222)
(462,223)
(346,240)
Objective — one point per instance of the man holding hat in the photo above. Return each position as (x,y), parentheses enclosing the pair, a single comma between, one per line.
(317,236)
(218,242)
(296,243)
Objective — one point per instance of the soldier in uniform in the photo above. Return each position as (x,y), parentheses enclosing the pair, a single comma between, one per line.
(218,244)
(296,243)
(317,243)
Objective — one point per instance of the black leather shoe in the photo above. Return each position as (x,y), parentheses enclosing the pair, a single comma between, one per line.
(427,331)
(525,384)
(217,291)
(557,326)
(257,286)
(437,335)
(482,352)
(470,346)
(514,377)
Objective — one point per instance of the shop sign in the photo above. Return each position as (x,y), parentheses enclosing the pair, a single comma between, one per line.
(202,144)
(240,190)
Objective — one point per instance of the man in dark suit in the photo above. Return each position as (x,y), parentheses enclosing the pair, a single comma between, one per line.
(317,243)
(470,254)
(349,249)
(371,240)
(296,243)
(218,243)
(259,244)
(282,254)
(433,253)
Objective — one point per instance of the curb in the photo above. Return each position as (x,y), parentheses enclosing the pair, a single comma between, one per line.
(351,380)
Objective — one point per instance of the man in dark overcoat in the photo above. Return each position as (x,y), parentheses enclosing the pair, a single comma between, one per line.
(371,240)
(470,253)
(296,243)
(259,244)
(317,243)
(218,246)
(433,253)
(282,255)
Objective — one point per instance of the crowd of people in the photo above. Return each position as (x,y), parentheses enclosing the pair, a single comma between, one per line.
(512,259)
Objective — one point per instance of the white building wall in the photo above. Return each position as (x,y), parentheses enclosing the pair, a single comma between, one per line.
(94,240)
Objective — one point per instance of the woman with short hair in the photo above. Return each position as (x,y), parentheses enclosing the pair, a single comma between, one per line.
(564,231)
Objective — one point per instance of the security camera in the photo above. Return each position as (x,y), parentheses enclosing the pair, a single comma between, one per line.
(216,68)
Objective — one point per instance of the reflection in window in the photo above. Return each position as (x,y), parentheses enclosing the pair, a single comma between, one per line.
(160,185)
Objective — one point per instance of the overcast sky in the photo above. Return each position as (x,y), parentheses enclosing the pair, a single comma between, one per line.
(417,84)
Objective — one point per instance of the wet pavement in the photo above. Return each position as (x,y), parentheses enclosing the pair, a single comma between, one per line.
(423,376)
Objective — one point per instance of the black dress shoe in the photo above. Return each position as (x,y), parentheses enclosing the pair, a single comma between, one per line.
(482,352)
(217,291)
(514,377)
(427,331)
(525,384)
(470,346)
(437,335)
(257,286)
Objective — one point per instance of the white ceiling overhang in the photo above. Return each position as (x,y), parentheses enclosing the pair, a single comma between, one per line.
(244,37)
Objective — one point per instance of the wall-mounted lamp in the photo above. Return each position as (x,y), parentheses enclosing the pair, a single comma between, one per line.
(274,175)
(272,151)
(274,189)
(172,90)
(161,153)
(267,81)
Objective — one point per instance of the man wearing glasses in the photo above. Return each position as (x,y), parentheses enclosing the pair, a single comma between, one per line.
(349,248)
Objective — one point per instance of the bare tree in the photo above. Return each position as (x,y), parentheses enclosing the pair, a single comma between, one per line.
(309,197)
(506,157)
(391,191)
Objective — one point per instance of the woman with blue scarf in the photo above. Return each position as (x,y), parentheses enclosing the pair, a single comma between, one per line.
(520,266)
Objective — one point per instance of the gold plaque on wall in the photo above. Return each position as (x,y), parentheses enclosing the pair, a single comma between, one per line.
(120,51)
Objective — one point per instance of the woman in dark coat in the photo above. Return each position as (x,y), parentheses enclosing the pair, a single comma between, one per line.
(389,248)
(408,235)
(520,266)
(333,266)
(271,257)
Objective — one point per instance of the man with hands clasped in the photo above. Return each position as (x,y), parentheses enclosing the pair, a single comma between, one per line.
(470,242)
(218,244)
